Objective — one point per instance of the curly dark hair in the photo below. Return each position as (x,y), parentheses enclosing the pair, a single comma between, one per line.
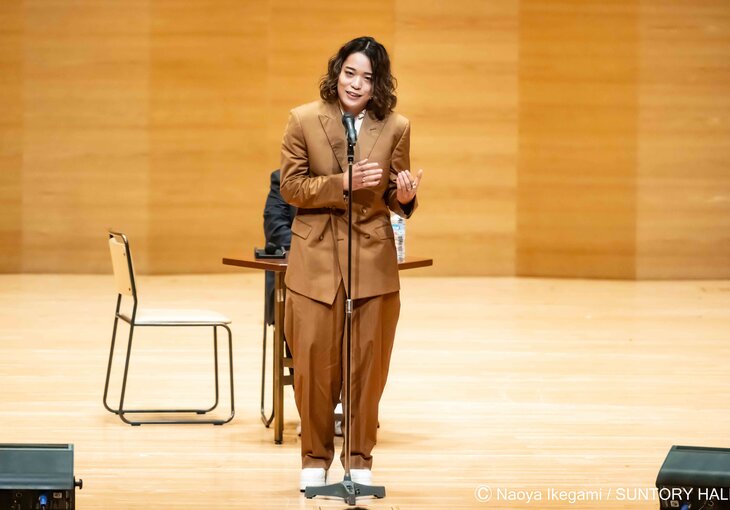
(384,83)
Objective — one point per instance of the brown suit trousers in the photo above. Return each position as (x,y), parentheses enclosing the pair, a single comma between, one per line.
(315,333)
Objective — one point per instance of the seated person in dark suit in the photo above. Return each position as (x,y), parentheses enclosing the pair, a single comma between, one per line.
(278,217)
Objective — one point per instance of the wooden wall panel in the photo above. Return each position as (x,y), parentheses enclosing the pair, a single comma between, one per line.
(207,124)
(578,114)
(85,162)
(684,131)
(457,66)
(11,135)
(559,138)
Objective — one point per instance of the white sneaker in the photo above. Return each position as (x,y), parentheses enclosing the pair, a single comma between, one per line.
(361,476)
(311,477)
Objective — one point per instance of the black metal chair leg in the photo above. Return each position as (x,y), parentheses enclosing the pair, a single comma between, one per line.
(230,366)
(265,419)
(109,364)
(120,411)
(215,365)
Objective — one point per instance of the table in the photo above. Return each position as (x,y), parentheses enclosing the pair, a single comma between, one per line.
(278,266)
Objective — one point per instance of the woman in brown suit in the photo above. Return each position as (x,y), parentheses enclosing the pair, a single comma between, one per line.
(314,179)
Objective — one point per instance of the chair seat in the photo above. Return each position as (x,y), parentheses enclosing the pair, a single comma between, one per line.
(171,317)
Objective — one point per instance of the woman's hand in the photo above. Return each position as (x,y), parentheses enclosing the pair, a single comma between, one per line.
(407,185)
(364,175)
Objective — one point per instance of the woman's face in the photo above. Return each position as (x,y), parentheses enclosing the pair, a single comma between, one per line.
(355,84)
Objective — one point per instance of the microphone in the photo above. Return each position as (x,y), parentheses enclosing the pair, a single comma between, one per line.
(349,122)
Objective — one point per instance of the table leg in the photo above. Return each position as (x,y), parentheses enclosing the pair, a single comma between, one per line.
(279,296)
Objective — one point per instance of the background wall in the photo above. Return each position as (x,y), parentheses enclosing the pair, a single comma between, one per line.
(558,137)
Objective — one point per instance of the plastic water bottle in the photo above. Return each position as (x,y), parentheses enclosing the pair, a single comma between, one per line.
(399,232)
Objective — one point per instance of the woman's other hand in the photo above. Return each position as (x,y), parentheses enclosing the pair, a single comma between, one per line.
(407,186)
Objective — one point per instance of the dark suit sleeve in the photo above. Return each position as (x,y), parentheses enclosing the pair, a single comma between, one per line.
(277,215)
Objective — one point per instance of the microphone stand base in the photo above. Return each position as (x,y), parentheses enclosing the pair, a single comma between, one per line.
(346,490)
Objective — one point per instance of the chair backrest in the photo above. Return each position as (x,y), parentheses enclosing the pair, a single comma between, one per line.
(122,264)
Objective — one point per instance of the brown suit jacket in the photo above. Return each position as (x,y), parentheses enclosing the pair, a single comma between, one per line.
(313,158)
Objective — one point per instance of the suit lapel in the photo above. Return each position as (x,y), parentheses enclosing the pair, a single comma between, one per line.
(329,117)
(369,134)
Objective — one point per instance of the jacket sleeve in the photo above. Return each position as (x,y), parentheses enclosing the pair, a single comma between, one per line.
(399,161)
(298,186)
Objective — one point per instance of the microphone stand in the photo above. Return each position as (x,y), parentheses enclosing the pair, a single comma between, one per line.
(347,489)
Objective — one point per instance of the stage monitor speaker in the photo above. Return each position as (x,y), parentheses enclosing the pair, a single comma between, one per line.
(695,478)
(37,477)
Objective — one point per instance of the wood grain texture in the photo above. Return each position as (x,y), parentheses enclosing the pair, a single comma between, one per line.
(85,136)
(457,65)
(568,138)
(207,112)
(576,198)
(11,136)
(523,384)
(683,224)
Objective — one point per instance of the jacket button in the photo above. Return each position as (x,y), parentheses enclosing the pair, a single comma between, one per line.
(367,236)
(364,210)
(321,238)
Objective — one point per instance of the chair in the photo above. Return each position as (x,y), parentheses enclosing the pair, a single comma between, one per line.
(126,286)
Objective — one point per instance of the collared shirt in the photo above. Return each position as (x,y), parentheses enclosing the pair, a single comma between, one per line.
(358,121)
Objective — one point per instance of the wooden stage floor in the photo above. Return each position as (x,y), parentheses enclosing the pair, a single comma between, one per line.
(528,387)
